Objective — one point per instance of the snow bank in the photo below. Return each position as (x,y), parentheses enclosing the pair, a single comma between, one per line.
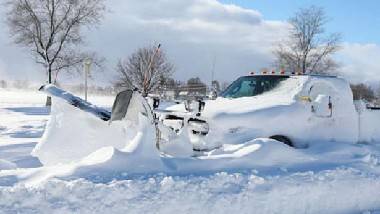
(72,134)
(85,143)
(140,155)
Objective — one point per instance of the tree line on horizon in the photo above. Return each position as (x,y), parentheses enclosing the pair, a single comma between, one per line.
(170,88)
(193,86)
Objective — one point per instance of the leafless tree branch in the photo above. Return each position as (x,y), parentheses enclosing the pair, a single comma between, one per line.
(145,69)
(308,49)
(51,29)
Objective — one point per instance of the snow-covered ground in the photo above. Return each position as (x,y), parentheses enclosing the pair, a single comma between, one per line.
(324,178)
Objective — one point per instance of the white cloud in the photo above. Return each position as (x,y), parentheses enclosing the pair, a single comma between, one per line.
(193,33)
(361,62)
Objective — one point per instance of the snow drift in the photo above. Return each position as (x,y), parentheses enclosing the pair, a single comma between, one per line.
(72,134)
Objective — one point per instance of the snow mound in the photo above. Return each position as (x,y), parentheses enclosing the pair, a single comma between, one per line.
(139,156)
(72,134)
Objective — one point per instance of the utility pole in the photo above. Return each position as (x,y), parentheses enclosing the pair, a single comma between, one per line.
(213,69)
(87,66)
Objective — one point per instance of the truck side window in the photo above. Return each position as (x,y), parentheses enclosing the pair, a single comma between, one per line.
(249,86)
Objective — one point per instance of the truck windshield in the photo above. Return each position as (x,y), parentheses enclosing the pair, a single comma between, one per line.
(249,86)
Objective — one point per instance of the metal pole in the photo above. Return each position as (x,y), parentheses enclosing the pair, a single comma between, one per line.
(87,64)
(147,72)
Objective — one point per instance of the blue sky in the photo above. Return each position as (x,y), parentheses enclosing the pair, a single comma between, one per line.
(358,21)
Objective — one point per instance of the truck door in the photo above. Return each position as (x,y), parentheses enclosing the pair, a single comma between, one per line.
(321,123)
(322,97)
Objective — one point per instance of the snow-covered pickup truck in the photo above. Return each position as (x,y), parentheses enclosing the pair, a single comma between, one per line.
(294,109)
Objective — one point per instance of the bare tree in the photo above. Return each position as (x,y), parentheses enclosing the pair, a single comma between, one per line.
(377,94)
(146,70)
(3,84)
(74,64)
(51,29)
(195,86)
(308,48)
(363,92)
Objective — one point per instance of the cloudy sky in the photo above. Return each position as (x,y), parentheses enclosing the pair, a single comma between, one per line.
(237,35)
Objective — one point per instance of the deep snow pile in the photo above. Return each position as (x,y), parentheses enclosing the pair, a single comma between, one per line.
(72,134)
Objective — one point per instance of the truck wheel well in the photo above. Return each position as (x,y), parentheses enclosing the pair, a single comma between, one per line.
(282,139)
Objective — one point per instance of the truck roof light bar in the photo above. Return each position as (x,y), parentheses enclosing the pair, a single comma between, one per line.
(274,72)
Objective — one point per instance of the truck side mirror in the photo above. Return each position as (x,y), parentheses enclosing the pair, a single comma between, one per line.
(322,106)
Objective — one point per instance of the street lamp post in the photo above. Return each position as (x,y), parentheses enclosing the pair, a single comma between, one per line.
(87,66)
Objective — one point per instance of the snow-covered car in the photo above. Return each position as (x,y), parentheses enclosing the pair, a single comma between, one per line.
(294,109)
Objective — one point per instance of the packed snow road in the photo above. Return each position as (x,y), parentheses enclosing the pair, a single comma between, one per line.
(325,178)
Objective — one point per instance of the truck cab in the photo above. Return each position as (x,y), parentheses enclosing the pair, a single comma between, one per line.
(294,109)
